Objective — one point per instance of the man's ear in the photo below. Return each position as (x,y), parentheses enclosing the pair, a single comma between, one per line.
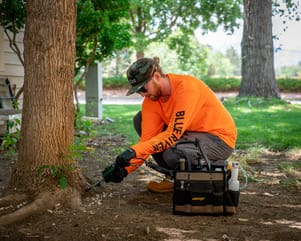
(156,76)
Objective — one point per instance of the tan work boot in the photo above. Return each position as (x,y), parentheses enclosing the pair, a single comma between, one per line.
(166,185)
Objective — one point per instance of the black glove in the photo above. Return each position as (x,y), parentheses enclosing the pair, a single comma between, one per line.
(115,174)
(123,160)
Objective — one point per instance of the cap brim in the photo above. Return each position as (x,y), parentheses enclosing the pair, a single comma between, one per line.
(134,88)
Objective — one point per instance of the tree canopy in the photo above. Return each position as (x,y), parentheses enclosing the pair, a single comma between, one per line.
(106,27)
(156,20)
(101,29)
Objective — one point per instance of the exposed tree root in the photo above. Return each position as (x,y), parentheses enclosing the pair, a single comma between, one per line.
(12,199)
(44,201)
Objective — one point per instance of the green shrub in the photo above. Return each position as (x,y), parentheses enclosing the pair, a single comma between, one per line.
(289,84)
(115,82)
(232,84)
(11,137)
(223,84)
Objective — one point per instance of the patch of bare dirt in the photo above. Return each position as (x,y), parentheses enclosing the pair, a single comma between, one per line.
(127,211)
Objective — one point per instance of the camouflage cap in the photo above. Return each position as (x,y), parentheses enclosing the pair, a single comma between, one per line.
(139,73)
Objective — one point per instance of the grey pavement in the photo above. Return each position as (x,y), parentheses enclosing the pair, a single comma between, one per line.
(119,98)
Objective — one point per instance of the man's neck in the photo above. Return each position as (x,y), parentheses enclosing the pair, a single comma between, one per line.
(165,89)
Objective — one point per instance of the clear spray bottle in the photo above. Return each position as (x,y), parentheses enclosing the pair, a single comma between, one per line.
(233,181)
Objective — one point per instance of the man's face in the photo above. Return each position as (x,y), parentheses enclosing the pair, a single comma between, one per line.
(152,89)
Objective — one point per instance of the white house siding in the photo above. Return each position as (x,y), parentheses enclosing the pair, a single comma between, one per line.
(11,68)
(10,65)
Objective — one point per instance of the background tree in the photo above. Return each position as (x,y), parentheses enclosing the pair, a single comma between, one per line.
(101,31)
(258,74)
(153,21)
(291,71)
(219,65)
(192,57)
(47,114)
(235,60)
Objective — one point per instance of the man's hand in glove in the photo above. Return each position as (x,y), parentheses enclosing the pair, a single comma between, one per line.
(116,175)
(123,160)
(118,172)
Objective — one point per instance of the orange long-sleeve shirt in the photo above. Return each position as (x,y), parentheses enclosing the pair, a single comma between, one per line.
(192,106)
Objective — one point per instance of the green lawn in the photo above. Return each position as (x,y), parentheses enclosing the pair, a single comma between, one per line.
(123,120)
(266,123)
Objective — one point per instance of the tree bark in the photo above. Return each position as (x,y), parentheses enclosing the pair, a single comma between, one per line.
(258,75)
(139,54)
(48,112)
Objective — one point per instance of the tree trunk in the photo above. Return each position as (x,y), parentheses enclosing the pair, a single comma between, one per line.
(258,75)
(139,54)
(48,112)
(117,64)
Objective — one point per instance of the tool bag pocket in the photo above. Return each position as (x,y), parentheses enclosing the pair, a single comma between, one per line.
(232,201)
(204,192)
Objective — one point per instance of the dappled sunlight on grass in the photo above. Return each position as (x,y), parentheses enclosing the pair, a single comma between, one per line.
(122,116)
(122,111)
(275,108)
(269,122)
(244,110)
(272,123)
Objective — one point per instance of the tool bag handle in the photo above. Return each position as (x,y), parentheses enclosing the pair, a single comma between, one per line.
(197,144)
(184,155)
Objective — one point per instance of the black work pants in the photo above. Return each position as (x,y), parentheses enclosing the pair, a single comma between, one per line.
(214,147)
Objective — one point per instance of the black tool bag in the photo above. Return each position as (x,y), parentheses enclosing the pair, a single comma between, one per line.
(203,188)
